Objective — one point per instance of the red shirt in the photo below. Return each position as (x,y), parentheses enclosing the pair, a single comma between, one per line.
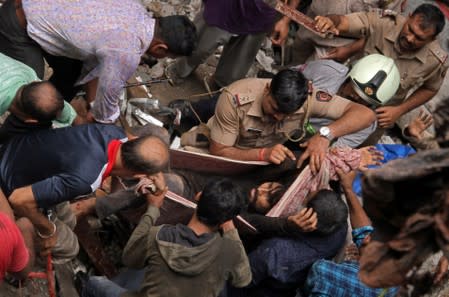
(14,254)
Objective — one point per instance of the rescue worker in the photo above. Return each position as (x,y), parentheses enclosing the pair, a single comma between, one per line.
(410,42)
(254,117)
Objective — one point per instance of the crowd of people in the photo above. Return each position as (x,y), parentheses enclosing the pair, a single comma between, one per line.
(339,96)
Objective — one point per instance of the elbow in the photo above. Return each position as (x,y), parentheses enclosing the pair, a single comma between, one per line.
(21,205)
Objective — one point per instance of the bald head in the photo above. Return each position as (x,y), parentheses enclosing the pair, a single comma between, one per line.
(146,155)
(39,100)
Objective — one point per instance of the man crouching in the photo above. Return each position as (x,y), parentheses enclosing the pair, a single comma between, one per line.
(185,260)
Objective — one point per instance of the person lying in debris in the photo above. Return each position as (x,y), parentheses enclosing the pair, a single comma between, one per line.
(33,103)
(255,117)
(41,170)
(17,252)
(185,260)
(263,187)
(98,43)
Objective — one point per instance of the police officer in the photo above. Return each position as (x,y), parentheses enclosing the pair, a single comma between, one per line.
(254,117)
(372,81)
(309,45)
(410,42)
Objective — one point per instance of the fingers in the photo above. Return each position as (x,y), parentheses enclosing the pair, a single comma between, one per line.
(289,153)
(306,219)
(301,160)
(324,24)
(315,162)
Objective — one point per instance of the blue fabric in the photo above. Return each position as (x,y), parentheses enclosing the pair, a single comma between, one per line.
(100,286)
(279,265)
(359,234)
(327,278)
(60,164)
(391,152)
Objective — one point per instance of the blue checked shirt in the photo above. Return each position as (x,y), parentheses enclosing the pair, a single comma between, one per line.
(330,279)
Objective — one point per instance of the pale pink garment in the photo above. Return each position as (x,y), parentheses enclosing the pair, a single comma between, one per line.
(346,159)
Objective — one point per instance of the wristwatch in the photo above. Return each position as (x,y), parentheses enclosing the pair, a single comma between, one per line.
(326,132)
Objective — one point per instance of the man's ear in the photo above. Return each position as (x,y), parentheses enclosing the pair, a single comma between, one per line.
(310,87)
(158,50)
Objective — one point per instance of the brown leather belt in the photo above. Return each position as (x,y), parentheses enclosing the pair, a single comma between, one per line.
(20,14)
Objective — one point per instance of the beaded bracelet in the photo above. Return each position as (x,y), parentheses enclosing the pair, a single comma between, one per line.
(47,236)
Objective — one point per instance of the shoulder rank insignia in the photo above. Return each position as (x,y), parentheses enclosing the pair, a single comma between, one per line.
(240,100)
(323,96)
(384,12)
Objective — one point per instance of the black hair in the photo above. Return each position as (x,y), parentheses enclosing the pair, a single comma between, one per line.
(132,158)
(178,33)
(432,16)
(289,89)
(220,201)
(331,211)
(44,106)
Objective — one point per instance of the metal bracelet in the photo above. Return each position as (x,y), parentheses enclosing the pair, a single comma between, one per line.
(47,236)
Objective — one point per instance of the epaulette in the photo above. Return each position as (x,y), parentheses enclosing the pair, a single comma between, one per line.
(385,12)
(322,96)
(241,99)
(438,52)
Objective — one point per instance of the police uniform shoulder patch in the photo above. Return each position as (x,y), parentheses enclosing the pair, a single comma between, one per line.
(323,96)
(241,99)
(438,52)
(384,12)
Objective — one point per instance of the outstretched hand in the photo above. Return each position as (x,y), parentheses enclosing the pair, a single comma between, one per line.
(369,156)
(419,125)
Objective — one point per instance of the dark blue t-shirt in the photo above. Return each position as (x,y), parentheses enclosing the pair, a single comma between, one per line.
(59,164)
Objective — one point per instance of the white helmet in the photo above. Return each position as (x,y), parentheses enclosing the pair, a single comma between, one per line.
(375,79)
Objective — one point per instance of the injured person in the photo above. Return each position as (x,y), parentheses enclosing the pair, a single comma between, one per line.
(264,188)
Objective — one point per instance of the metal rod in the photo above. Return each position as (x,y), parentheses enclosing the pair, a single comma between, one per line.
(149,82)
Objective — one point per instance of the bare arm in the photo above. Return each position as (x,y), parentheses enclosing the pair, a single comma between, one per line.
(342,53)
(276,154)
(24,205)
(357,214)
(355,117)
(281,28)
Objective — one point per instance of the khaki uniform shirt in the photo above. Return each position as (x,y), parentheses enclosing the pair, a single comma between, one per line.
(426,67)
(239,120)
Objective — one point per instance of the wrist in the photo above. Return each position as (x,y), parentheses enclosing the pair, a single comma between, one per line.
(285,19)
(261,156)
(47,234)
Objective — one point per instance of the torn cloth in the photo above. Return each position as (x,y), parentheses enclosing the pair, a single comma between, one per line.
(345,158)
